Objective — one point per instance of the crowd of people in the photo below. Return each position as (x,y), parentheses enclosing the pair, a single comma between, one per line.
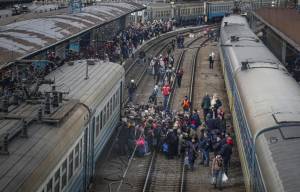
(153,127)
(181,134)
(124,44)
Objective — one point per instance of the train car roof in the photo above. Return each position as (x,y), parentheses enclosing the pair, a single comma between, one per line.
(257,82)
(271,98)
(21,167)
(102,77)
(22,38)
(33,158)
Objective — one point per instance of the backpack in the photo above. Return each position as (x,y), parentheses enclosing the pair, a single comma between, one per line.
(186,104)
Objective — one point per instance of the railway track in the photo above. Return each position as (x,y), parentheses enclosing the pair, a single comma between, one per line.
(132,67)
(136,175)
(169,174)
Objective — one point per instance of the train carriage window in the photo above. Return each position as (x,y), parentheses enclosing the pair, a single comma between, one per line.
(97,125)
(104,116)
(111,107)
(64,174)
(49,185)
(80,151)
(114,101)
(77,156)
(107,112)
(70,165)
(57,181)
(118,97)
(101,120)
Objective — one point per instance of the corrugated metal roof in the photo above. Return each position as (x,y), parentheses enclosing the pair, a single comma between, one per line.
(24,37)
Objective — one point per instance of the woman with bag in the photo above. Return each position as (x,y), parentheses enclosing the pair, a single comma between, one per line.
(217,171)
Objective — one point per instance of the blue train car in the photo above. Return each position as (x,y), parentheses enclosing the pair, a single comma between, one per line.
(217,9)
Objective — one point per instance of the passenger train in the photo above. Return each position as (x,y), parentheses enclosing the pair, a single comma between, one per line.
(265,104)
(61,149)
(192,10)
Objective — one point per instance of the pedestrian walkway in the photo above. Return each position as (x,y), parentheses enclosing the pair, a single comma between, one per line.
(211,81)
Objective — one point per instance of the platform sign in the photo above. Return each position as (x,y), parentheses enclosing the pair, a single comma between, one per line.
(74,46)
(40,65)
(75,6)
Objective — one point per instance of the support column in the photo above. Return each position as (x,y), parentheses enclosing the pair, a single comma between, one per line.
(143,16)
(253,22)
(136,17)
(283,52)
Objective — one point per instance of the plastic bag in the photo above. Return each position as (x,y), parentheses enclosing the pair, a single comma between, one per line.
(213,180)
(186,160)
(224,178)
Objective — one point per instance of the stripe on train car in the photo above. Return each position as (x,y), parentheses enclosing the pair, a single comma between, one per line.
(241,150)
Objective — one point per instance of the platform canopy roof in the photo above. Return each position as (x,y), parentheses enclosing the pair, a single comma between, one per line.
(20,39)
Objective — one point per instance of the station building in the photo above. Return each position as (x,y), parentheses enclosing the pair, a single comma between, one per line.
(34,39)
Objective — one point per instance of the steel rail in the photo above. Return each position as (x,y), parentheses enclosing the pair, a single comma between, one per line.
(153,158)
(138,82)
(178,65)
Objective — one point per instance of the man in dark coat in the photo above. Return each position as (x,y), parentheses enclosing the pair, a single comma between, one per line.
(172,141)
(205,105)
(226,151)
(179,75)
(131,90)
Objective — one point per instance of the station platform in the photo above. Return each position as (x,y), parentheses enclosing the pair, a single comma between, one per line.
(284,22)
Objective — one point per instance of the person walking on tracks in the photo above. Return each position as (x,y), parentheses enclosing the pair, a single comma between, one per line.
(186,104)
(131,90)
(142,56)
(166,90)
(216,171)
(153,96)
(179,75)
(205,105)
(226,152)
(211,59)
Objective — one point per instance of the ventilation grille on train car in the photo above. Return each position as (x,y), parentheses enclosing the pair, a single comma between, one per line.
(289,124)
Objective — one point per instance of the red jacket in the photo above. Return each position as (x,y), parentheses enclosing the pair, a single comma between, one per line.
(166,90)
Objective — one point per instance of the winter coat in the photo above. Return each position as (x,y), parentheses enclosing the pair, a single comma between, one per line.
(206,102)
(226,151)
